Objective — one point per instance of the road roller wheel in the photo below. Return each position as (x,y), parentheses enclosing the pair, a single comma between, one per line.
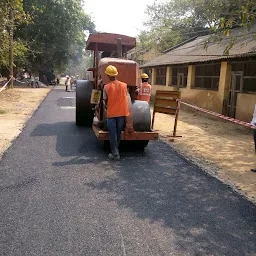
(84,109)
(133,145)
(141,116)
(106,145)
(141,144)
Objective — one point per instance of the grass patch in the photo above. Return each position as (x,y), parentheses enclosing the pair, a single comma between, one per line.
(3,111)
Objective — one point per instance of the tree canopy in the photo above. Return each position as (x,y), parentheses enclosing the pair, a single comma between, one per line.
(175,21)
(56,33)
(20,17)
(47,33)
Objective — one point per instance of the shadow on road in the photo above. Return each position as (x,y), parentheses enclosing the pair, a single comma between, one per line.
(77,142)
(72,141)
(206,216)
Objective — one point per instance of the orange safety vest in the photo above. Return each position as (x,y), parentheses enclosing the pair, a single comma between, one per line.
(117,99)
(144,92)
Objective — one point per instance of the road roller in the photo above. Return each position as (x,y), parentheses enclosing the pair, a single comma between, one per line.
(111,49)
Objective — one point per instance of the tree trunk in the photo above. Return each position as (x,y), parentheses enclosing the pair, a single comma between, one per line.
(11,46)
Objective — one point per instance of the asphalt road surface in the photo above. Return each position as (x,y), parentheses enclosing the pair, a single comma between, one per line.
(60,195)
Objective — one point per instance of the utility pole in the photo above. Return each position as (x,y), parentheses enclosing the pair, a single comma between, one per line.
(11,18)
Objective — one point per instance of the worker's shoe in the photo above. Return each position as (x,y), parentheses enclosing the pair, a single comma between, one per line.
(117,157)
(253,170)
(113,157)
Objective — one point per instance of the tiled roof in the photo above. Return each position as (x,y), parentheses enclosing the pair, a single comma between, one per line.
(194,51)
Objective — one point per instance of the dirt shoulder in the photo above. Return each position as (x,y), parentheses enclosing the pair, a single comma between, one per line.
(16,107)
(221,148)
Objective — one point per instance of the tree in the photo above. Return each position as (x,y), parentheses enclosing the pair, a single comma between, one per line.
(56,34)
(80,66)
(177,20)
(168,23)
(231,14)
(6,25)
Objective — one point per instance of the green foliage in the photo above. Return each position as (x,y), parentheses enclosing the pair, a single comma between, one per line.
(170,23)
(175,21)
(56,34)
(20,17)
(230,14)
(79,67)
(47,33)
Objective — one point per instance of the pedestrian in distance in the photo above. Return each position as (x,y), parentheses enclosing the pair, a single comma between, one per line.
(67,83)
(144,91)
(58,79)
(115,101)
(45,81)
(72,80)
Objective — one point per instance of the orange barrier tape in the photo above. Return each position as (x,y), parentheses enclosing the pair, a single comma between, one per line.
(233,120)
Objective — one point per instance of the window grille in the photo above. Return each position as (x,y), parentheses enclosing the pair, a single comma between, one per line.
(178,71)
(207,76)
(249,74)
(161,76)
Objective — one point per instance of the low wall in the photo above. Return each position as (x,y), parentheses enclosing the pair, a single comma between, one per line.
(161,87)
(245,106)
(210,100)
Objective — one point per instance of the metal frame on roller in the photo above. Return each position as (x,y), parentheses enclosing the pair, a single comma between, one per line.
(103,135)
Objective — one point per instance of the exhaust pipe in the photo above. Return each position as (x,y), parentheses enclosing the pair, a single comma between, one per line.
(119,48)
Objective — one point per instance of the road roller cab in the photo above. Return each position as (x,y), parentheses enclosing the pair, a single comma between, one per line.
(111,49)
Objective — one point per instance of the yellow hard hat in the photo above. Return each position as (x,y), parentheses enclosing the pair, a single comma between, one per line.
(111,71)
(144,75)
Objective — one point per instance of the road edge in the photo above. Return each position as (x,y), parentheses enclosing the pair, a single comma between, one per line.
(202,165)
(2,154)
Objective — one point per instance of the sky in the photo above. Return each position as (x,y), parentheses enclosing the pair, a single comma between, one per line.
(118,16)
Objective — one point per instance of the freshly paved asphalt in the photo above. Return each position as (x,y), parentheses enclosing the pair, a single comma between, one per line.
(60,195)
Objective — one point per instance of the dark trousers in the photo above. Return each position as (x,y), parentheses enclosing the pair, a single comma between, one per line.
(254,134)
(115,127)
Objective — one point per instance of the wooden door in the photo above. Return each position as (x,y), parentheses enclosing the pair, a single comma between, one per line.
(236,86)
(180,82)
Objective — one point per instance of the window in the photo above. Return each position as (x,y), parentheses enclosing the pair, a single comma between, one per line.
(148,71)
(174,77)
(179,76)
(207,76)
(161,76)
(249,74)
(249,84)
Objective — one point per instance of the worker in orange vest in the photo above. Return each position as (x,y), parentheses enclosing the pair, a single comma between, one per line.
(144,91)
(115,100)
